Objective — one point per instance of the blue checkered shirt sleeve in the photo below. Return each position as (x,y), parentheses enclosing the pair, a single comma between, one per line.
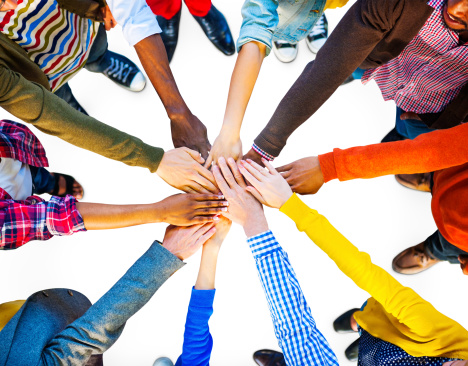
(295,328)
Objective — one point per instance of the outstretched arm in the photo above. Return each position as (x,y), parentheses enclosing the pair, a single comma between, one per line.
(198,341)
(244,77)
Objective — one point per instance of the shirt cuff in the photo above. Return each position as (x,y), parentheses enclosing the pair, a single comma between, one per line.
(62,217)
(263,153)
(263,244)
(202,298)
(327,165)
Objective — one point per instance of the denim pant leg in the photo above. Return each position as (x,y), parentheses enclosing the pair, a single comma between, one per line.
(98,50)
(410,128)
(43,181)
(441,249)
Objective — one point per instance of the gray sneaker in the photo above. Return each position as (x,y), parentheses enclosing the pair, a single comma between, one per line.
(163,361)
(316,39)
(284,51)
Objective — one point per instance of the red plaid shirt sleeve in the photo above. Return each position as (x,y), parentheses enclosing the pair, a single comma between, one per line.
(36,219)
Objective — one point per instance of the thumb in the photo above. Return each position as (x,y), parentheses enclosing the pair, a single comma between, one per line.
(409,115)
(195,155)
(209,161)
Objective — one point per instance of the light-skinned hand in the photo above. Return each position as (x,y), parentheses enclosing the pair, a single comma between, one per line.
(189,209)
(304,176)
(268,186)
(243,209)
(222,229)
(182,169)
(226,145)
(185,241)
(108,18)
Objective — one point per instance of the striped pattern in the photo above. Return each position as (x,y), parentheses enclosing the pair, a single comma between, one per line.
(301,341)
(55,39)
(430,71)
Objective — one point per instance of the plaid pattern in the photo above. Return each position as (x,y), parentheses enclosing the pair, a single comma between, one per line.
(263,153)
(430,71)
(36,219)
(301,341)
(18,142)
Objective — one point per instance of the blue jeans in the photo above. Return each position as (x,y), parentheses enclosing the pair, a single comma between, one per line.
(410,128)
(441,249)
(43,181)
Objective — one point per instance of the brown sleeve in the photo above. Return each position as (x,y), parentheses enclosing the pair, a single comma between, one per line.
(32,103)
(356,35)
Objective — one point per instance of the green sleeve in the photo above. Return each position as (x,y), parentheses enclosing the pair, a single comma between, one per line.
(32,103)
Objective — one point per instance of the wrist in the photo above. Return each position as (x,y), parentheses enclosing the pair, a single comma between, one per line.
(255,225)
(229,132)
(158,213)
(179,113)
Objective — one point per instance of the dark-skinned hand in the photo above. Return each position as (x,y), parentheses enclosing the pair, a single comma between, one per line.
(190,132)
(304,176)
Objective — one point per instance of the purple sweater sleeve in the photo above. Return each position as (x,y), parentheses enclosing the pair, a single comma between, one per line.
(198,342)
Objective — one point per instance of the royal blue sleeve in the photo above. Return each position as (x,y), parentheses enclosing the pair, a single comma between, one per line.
(198,341)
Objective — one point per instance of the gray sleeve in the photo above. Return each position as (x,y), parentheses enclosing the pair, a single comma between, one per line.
(99,328)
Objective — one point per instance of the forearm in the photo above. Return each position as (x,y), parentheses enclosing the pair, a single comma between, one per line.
(34,104)
(295,328)
(428,152)
(153,57)
(244,77)
(207,273)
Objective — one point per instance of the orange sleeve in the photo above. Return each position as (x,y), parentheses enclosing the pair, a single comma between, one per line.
(428,152)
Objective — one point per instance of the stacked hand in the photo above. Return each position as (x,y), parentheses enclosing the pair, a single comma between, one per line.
(227,145)
(190,132)
(304,175)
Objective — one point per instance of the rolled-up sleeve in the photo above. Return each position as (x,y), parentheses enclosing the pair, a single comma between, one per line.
(62,217)
(136,18)
(260,19)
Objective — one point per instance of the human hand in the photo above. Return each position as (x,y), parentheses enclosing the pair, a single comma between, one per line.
(243,207)
(185,241)
(269,187)
(253,155)
(182,169)
(304,176)
(190,209)
(108,18)
(9,5)
(189,131)
(410,115)
(222,228)
(226,145)
(463,259)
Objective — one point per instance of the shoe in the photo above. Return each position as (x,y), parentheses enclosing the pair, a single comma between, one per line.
(414,260)
(419,182)
(352,352)
(123,72)
(316,39)
(393,135)
(66,94)
(267,357)
(217,30)
(284,51)
(170,32)
(163,361)
(342,324)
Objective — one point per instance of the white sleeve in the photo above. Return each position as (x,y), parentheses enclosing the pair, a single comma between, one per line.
(136,18)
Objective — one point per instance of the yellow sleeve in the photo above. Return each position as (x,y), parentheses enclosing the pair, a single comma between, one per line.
(333,4)
(402,302)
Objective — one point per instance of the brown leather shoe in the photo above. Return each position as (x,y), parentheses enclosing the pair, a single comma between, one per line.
(413,260)
(268,357)
(419,182)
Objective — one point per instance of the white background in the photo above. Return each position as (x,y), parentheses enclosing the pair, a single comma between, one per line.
(379,216)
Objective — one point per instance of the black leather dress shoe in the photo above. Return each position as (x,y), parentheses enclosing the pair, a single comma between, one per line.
(217,30)
(342,324)
(170,32)
(267,357)
(352,352)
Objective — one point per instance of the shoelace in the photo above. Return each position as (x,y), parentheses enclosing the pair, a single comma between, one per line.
(284,44)
(117,68)
(319,27)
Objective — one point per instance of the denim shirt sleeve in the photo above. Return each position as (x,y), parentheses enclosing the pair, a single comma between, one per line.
(260,19)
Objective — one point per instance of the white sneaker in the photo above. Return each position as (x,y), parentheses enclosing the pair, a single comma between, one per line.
(163,361)
(284,51)
(316,39)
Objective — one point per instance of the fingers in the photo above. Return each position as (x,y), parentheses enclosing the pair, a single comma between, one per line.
(209,161)
(204,233)
(285,168)
(210,204)
(270,167)
(205,150)
(208,186)
(257,167)
(210,211)
(252,180)
(189,189)
(208,197)
(235,170)
(194,154)
(256,194)
(227,173)
(222,184)
(253,171)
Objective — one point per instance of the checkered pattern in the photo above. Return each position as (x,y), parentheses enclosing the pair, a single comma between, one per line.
(36,219)
(33,218)
(430,71)
(301,341)
(263,153)
(18,142)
